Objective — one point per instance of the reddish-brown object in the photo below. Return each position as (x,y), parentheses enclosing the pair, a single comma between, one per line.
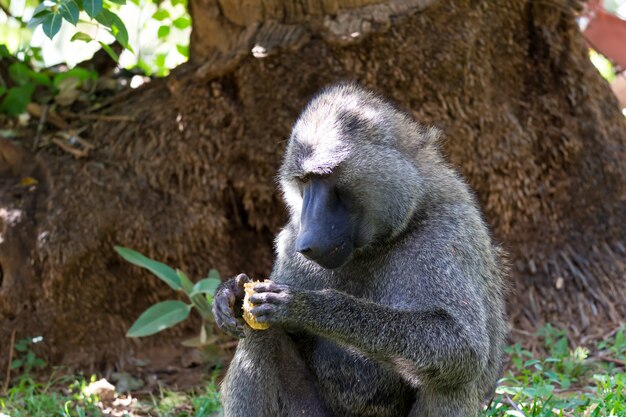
(606,33)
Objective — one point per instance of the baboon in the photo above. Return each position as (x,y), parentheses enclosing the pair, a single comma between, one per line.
(387,292)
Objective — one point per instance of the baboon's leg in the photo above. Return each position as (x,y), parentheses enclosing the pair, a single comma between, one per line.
(268,378)
(445,403)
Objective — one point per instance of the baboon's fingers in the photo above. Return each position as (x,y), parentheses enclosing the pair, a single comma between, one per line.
(268,297)
(264,287)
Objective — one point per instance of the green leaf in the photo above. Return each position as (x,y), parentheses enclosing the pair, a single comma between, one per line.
(22,345)
(41,10)
(161,14)
(51,24)
(79,73)
(185,283)
(176,2)
(81,36)
(36,21)
(69,11)
(159,60)
(39,77)
(159,317)
(164,272)
(22,74)
(16,99)
(39,363)
(183,50)
(182,22)
(109,51)
(19,73)
(92,7)
(4,52)
(163,31)
(120,2)
(16,363)
(118,29)
(206,286)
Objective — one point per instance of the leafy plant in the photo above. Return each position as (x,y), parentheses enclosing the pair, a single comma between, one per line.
(25,359)
(166,314)
(50,14)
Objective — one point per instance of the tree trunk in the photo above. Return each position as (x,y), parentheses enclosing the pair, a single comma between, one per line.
(190,181)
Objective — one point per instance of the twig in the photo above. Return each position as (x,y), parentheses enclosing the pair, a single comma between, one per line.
(512,403)
(42,121)
(54,119)
(77,153)
(105,117)
(523,332)
(5,387)
(610,359)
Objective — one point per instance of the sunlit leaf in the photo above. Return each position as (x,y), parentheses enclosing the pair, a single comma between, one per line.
(161,14)
(163,31)
(81,36)
(183,50)
(69,11)
(92,7)
(51,24)
(182,22)
(164,272)
(109,51)
(118,29)
(159,317)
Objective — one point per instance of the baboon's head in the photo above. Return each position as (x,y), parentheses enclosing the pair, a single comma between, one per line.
(349,175)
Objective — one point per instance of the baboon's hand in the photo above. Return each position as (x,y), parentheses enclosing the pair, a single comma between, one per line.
(273,303)
(227,305)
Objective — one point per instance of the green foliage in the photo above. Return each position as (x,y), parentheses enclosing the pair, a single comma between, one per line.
(29,398)
(531,387)
(568,382)
(25,359)
(94,22)
(162,271)
(166,314)
(159,317)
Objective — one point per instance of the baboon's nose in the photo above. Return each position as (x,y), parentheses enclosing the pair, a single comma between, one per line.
(306,248)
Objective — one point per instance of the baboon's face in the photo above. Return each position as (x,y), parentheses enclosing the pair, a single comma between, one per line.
(344,179)
(327,224)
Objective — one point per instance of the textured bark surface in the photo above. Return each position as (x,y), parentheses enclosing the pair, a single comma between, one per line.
(526,118)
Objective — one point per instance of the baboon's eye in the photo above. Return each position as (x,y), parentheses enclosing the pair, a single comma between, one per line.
(303,178)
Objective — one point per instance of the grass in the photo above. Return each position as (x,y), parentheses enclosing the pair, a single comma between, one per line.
(568,381)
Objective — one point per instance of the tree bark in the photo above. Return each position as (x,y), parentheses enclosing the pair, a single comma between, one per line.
(527,119)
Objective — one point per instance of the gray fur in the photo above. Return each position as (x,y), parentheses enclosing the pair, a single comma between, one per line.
(413,325)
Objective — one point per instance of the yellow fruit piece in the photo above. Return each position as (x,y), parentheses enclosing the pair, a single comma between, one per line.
(247,306)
